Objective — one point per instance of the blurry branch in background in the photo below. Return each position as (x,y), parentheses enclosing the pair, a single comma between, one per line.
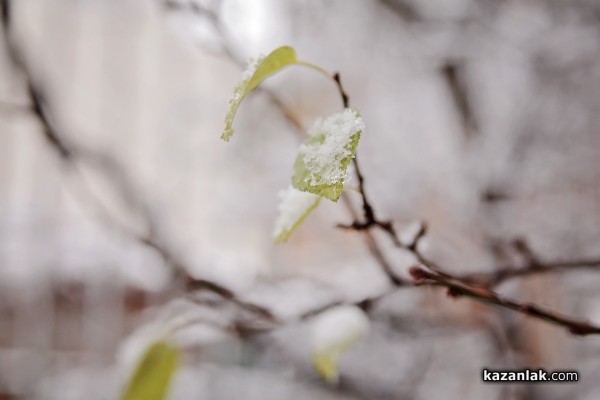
(453,72)
(403,9)
(474,286)
(533,265)
(74,156)
(454,75)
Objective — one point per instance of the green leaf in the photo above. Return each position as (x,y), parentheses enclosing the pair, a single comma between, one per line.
(150,381)
(272,63)
(334,332)
(326,365)
(257,71)
(294,207)
(322,161)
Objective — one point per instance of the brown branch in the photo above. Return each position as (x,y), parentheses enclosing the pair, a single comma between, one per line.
(458,288)
(374,248)
(465,286)
(343,95)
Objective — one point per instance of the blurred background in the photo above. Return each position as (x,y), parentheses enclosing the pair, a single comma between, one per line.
(482,119)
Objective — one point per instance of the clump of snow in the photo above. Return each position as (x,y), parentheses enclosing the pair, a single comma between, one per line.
(332,333)
(294,206)
(322,163)
(325,158)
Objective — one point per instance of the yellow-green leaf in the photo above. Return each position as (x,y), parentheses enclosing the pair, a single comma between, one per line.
(294,207)
(257,71)
(150,380)
(334,332)
(322,161)
(272,63)
(326,364)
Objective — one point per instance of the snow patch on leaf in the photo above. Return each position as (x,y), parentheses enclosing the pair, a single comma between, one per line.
(322,162)
(333,332)
(294,206)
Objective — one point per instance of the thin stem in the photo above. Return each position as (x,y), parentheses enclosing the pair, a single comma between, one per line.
(315,67)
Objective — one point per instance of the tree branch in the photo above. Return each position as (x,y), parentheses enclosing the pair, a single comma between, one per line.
(457,288)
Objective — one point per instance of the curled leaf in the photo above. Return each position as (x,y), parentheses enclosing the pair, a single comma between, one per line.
(256,71)
(294,207)
(322,161)
(333,332)
(151,379)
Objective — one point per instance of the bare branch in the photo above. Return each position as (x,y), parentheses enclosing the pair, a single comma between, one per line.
(457,288)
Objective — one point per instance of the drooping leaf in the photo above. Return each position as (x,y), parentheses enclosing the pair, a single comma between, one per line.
(272,63)
(334,332)
(257,71)
(294,207)
(322,161)
(150,380)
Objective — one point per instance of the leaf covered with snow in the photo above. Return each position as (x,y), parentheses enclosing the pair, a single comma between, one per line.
(256,71)
(322,162)
(294,207)
(334,332)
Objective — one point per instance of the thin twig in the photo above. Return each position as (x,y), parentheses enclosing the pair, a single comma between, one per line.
(458,288)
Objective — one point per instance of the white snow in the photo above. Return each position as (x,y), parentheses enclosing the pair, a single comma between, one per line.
(324,160)
(293,207)
(333,332)
(337,326)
